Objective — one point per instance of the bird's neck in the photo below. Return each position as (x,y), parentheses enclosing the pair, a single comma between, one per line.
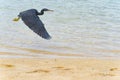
(41,13)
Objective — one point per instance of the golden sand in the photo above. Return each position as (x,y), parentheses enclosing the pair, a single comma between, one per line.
(59,69)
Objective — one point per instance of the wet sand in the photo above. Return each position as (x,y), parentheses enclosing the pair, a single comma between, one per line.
(59,69)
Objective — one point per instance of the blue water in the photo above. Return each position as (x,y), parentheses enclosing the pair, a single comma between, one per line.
(79,28)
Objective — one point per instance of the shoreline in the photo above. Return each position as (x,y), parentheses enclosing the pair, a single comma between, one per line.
(59,69)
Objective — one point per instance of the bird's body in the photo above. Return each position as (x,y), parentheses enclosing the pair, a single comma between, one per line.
(31,19)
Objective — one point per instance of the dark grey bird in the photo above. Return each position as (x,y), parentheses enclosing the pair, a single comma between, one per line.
(31,19)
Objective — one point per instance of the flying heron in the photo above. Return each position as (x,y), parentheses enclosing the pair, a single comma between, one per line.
(31,19)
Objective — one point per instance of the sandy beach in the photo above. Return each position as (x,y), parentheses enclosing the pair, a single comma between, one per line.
(59,69)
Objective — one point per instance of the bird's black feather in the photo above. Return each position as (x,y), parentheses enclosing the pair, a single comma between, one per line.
(31,19)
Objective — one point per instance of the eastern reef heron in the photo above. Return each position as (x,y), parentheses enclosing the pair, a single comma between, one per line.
(31,19)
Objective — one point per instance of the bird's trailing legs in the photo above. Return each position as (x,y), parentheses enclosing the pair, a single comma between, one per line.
(16,19)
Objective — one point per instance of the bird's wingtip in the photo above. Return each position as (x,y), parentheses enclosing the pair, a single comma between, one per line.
(48,38)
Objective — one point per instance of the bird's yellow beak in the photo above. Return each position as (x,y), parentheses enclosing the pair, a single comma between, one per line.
(16,19)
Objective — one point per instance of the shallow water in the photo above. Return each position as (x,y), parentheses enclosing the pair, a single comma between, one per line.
(79,28)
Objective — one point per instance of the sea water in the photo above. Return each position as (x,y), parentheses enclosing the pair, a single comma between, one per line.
(79,28)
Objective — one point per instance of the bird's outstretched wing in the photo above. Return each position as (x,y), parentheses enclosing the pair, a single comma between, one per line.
(35,24)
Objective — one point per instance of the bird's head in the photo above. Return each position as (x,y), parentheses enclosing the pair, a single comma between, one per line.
(45,9)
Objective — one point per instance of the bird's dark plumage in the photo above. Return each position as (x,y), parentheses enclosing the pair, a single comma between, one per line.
(31,19)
